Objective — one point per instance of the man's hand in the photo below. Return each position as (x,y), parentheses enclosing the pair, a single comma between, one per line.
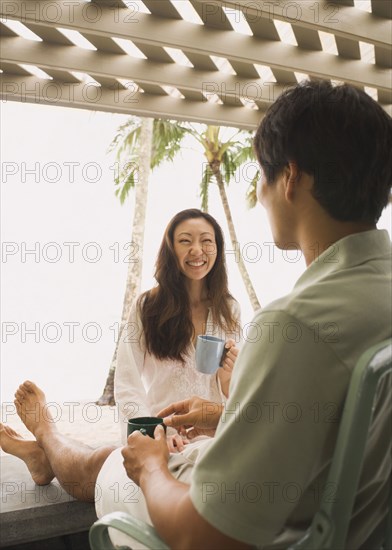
(144,455)
(192,417)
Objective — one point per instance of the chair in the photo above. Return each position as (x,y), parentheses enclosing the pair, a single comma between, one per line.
(330,524)
(329,527)
(135,528)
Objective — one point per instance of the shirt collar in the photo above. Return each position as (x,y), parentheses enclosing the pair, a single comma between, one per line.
(348,252)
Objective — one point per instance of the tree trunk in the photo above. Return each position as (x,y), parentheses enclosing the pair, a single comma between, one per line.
(135,265)
(241,266)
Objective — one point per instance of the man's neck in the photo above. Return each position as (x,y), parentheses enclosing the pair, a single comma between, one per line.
(315,242)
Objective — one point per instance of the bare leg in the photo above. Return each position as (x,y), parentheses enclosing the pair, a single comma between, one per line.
(75,465)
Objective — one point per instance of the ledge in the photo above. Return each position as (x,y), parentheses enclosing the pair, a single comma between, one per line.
(29,512)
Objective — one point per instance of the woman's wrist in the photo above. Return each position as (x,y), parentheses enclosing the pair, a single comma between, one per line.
(223,382)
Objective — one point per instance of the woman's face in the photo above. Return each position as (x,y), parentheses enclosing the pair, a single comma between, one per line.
(195,247)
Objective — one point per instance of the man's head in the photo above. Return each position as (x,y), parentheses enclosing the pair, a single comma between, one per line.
(338,135)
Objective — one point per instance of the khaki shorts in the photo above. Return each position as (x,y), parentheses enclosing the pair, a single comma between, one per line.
(115,492)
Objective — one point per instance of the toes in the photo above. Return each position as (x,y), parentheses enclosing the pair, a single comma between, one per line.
(11,432)
(20,393)
(24,389)
(18,400)
(8,432)
(27,389)
(29,386)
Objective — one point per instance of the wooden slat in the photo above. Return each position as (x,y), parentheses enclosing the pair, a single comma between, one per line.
(212,15)
(165,28)
(348,48)
(382,8)
(103,43)
(13,68)
(6,31)
(307,38)
(113,4)
(262,27)
(333,16)
(246,70)
(200,62)
(61,76)
(146,73)
(284,77)
(31,90)
(383,58)
(155,53)
(385,97)
(162,8)
(188,36)
(111,83)
(49,34)
(151,88)
(193,96)
(231,100)
(348,22)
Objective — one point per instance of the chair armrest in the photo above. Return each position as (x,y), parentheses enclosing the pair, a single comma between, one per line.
(318,535)
(133,527)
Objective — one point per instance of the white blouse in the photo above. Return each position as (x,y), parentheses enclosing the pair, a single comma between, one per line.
(143,384)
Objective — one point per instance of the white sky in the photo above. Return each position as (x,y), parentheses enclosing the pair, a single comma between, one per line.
(70,199)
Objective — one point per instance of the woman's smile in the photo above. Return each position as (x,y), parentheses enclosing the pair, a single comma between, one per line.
(196,263)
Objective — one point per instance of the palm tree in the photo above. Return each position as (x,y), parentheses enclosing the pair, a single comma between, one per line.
(141,145)
(224,158)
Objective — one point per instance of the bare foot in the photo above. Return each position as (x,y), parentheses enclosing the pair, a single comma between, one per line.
(30,403)
(29,451)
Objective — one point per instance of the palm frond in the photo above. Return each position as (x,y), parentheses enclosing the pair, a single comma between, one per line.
(166,141)
(244,154)
(129,127)
(227,146)
(228,166)
(251,193)
(126,179)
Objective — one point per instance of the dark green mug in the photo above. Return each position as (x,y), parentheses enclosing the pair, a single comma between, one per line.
(144,424)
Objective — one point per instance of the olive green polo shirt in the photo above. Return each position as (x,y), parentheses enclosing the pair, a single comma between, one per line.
(260,480)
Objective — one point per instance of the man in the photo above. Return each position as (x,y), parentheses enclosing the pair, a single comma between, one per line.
(324,152)
(325,158)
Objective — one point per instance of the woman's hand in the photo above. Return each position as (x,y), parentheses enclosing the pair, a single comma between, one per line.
(176,443)
(224,372)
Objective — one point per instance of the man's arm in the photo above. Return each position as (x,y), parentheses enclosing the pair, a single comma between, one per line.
(168,501)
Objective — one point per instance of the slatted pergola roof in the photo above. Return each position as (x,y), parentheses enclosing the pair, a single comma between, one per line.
(218,62)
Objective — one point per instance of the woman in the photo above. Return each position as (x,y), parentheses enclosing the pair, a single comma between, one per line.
(156,355)
(156,359)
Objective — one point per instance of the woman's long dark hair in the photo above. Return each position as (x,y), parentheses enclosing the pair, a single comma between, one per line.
(165,309)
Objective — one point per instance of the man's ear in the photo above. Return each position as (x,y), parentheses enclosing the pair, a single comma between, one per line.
(293,174)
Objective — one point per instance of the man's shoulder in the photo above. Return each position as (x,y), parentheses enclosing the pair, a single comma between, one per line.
(337,291)
(346,311)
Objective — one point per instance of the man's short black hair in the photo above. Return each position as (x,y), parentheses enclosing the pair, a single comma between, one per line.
(338,134)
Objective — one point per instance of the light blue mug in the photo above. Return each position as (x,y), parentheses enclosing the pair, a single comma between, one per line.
(209,353)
